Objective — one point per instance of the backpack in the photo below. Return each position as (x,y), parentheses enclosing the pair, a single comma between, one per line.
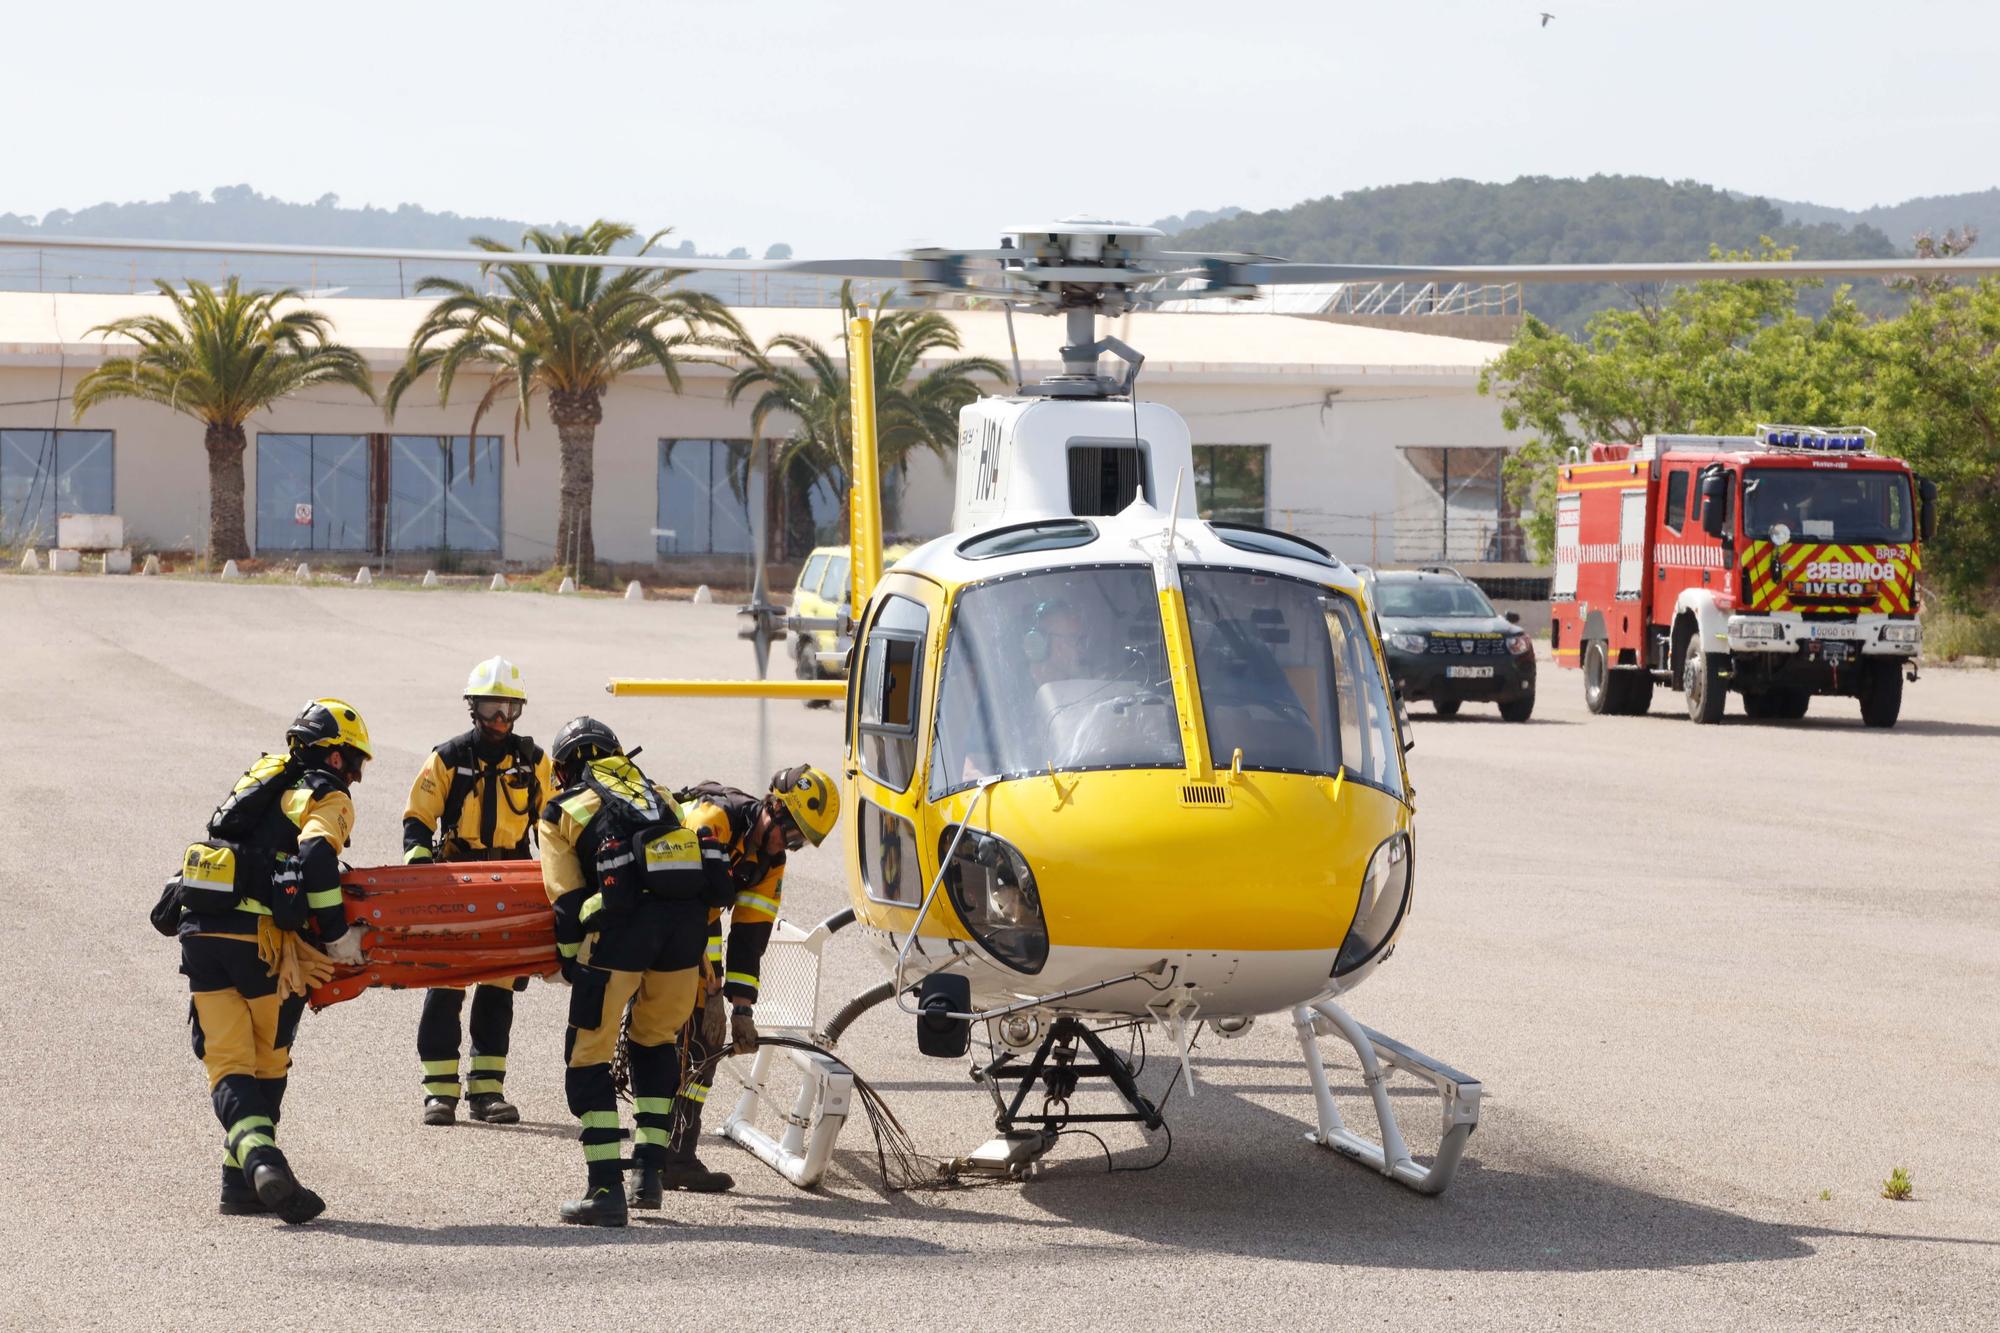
(224,870)
(644,850)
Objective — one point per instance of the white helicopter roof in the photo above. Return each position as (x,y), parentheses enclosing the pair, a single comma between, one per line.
(1135,536)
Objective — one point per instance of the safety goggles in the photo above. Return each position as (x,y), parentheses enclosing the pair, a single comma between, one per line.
(492,710)
(789,827)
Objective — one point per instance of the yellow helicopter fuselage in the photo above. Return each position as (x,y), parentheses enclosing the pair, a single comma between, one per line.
(1125,801)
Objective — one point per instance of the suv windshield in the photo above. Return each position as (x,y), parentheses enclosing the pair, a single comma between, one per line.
(1426,598)
(1065,669)
(1827,506)
(1288,677)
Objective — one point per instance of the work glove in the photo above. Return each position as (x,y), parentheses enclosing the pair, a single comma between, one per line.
(416,854)
(714,1024)
(742,1030)
(572,968)
(346,950)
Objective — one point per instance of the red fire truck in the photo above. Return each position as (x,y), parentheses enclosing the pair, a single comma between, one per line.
(1778,565)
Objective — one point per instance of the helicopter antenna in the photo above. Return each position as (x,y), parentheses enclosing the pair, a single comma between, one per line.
(1014,347)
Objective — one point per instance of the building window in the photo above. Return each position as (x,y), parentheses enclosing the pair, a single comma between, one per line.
(44,473)
(1229,482)
(444,493)
(704,507)
(312,492)
(1451,504)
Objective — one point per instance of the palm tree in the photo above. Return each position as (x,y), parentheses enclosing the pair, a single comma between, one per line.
(219,358)
(916,407)
(569,331)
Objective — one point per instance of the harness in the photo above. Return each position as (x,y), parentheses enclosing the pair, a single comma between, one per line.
(748,865)
(249,861)
(468,770)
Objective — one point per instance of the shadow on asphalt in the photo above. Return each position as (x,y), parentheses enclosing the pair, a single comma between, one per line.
(644,1230)
(1243,1181)
(1930,728)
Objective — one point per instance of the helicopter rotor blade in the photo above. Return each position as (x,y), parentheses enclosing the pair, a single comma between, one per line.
(932,269)
(1274,274)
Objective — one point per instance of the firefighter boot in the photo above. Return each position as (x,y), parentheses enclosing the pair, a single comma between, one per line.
(601,1206)
(647,1191)
(443,1110)
(492,1108)
(684,1170)
(238,1199)
(280,1192)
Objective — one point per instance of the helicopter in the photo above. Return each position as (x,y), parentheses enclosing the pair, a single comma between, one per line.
(1106,764)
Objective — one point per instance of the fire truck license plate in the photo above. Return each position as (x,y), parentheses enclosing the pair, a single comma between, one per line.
(1468,673)
(1833,631)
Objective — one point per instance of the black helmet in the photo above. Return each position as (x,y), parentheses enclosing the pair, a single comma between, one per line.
(583,738)
(327,723)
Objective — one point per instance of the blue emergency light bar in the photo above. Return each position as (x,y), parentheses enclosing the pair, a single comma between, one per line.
(1839,439)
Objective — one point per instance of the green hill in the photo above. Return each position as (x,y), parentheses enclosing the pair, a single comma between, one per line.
(1937,214)
(1535,220)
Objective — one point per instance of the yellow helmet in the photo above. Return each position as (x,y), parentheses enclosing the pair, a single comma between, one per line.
(324,723)
(810,798)
(496,678)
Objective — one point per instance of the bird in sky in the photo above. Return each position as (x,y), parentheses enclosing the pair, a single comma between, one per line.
(1545,18)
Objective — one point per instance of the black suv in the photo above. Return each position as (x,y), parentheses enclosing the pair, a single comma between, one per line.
(1447,644)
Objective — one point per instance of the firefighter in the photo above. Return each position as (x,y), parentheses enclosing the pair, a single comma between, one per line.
(801,807)
(624,937)
(270,872)
(476,799)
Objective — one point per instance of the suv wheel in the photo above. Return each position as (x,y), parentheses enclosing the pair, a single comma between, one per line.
(1445,707)
(1518,710)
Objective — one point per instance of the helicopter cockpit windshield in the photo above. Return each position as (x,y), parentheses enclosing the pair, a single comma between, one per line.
(1062,669)
(1289,678)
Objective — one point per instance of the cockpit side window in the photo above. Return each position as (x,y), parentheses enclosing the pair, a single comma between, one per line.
(1060,669)
(892,663)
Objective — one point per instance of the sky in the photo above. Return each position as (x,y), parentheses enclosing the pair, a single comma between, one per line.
(862,129)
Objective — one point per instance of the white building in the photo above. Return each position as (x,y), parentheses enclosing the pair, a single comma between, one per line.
(1342,433)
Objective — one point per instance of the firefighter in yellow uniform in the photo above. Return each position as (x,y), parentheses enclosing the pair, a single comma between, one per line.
(801,807)
(476,799)
(631,888)
(269,873)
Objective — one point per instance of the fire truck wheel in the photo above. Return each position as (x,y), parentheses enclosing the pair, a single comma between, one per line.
(1882,693)
(1445,707)
(1599,690)
(1789,705)
(1707,696)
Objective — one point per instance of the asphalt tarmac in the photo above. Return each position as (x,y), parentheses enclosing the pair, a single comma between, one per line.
(1718,982)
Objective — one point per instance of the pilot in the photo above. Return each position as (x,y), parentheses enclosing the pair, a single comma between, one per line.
(1055,643)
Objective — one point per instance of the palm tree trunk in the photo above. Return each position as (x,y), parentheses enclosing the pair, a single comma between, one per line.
(576,415)
(226,540)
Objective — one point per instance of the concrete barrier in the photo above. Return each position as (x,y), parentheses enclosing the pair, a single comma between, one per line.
(634,593)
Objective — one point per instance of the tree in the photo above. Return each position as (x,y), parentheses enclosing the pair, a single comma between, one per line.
(1937,403)
(568,332)
(1719,357)
(916,407)
(220,357)
(1712,357)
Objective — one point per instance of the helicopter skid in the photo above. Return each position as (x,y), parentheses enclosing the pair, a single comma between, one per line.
(1458,1095)
(803,1148)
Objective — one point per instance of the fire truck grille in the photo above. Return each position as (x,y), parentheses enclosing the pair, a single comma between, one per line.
(1455,645)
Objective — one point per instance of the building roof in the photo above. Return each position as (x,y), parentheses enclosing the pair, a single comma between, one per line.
(41,328)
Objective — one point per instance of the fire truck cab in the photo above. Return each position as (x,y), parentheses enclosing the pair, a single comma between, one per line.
(1780,566)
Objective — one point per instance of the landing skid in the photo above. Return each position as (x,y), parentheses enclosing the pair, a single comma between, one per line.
(800,1146)
(1458,1094)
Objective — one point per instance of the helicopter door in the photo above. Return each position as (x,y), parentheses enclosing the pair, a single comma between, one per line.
(890,690)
